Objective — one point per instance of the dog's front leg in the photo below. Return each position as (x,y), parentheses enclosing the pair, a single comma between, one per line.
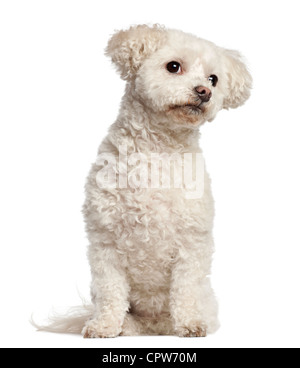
(192,302)
(109,291)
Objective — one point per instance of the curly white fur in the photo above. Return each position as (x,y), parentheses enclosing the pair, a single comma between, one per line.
(151,249)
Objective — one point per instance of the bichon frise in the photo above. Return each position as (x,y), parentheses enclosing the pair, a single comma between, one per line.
(149,221)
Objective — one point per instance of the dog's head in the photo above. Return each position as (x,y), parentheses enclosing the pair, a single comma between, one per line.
(184,79)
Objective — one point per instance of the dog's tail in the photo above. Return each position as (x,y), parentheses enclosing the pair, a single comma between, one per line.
(71,322)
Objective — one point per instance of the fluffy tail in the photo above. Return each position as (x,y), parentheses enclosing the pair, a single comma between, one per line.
(71,322)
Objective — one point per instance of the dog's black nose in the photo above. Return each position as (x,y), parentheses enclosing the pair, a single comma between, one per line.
(204,93)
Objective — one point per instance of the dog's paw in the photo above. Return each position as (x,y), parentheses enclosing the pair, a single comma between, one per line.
(97,329)
(197,331)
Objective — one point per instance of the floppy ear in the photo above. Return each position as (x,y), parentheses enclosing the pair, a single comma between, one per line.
(239,80)
(128,49)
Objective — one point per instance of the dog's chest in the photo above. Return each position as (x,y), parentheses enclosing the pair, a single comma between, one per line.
(156,224)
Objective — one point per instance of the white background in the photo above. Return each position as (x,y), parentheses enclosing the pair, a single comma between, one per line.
(58,96)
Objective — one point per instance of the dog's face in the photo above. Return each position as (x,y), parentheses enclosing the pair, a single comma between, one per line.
(183,79)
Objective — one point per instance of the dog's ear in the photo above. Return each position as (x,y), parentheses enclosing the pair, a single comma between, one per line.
(128,49)
(239,80)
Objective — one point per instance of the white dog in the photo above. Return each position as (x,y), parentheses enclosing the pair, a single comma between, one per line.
(151,245)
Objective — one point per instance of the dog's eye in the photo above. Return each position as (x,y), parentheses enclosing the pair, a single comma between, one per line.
(213,79)
(174,67)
